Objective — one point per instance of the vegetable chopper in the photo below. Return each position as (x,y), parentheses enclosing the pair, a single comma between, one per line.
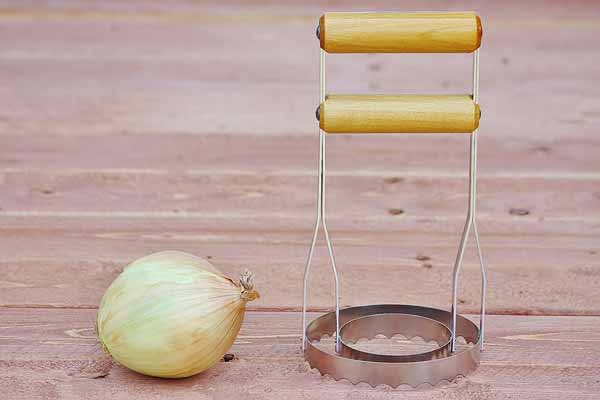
(343,114)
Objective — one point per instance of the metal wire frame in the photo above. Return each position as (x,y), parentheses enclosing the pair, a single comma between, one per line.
(470,222)
(321,219)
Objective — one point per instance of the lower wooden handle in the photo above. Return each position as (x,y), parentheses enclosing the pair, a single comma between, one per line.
(399,114)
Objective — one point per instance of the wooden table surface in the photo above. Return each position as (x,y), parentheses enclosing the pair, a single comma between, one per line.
(129,128)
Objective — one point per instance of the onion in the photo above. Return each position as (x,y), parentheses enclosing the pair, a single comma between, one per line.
(172,314)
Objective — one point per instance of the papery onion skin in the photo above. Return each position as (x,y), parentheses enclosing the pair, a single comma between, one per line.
(171,315)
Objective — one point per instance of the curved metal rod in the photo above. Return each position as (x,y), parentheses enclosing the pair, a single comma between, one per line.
(470,222)
(461,251)
(483,286)
(338,341)
(321,218)
(457,267)
(306,272)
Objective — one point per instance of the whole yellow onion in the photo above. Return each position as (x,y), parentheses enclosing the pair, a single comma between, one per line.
(172,314)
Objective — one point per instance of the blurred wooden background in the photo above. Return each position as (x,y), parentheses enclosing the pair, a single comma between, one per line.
(129,128)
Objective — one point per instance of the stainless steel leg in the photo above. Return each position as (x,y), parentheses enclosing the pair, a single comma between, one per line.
(321,219)
(470,222)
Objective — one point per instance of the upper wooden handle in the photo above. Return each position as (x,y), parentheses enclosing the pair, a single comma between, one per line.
(400,32)
(398,114)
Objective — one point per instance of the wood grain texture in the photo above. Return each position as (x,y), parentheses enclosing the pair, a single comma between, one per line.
(144,68)
(534,226)
(399,114)
(53,354)
(393,262)
(400,32)
(353,197)
(380,155)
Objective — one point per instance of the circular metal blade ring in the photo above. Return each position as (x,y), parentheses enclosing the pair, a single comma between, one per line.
(390,324)
(393,374)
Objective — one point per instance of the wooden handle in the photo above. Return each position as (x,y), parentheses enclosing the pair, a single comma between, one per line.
(399,114)
(400,32)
